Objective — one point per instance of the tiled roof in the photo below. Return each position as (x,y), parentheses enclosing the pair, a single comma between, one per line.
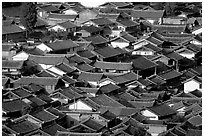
(9,64)
(162,110)
(108,88)
(91,29)
(170,28)
(104,100)
(44,116)
(49,8)
(11,29)
(102,21)
(67,24)
(86,76)
(141,104)
(53,129)
(86,53)
(195,120)
(68,79)
(128,23)
(21,92)
(37,80)
(14,105)
(62,45)
(98,39)
(85,67)
(36,102)
(128,37)
(169,74)
(147,14)
(61,16)
(157,80)
(142,63)
(107,52)
(70,93)
(65,67)
(91,123)
(113,65)
(23,127)
(153,47)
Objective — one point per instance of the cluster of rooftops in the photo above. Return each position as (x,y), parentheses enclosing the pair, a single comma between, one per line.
(128,70)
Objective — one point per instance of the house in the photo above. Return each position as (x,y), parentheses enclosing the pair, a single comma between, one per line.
(63,46)
(158,112)
(84,15)
(80,105)
(109,89)
(128,25)
(55,18)
(21,127)
(97,40)
(12,32)
(67,26)
(118,67)
(153,16)
(8,50)
(100,22)
(116,4)
(15,108)
(49,83)
(170,28)
(91,78)
(171,76)
(141,65)
(186,53)
(119,42)
(87,31)
(108,53)
(12,68)
(24,54)
(192,84)
(66,95)
(53,129)
(44,10)
(44,48)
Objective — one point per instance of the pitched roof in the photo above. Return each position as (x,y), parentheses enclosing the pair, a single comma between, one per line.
(174,55)
(44,116)
(108,88)
(11,29)
(162,110)
(170,28)
(154,40)
(37,80)
(85,67)
(65,67)
(86,53)
(21,92)
(70,93)
(168,75)
(107,52)
(142,63)
(23,127)
(62,45)
(97,39)
(147,14)
(128,37)
(157,80)
(113,65)
(197,93)
(194,132)
(128,23)
(93,124)
(49,59)
(67,24)
(53,129)
(195,120)
(49,8)
(141,104)
(104,100)
(86,76)
(14,105)
(125,78)
(68,79)
(61,16)
(102,21)
(91,29)
(153,47)
(9,64)
(60,133)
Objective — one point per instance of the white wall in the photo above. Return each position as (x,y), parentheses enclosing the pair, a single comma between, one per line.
(79,105)
(20,56)
(191,86)
(189,56)
(119,44)
(44,47)
(69,12)
(57,28)
(142,53)
(150,115)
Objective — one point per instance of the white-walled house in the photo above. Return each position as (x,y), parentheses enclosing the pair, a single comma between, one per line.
(192,84)
(120,42)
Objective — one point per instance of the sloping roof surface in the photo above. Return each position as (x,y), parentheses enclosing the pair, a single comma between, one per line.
(142,63)
(113,65)
(62,45)
(9,64)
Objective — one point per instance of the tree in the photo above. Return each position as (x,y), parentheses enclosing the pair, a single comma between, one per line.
(29,15)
